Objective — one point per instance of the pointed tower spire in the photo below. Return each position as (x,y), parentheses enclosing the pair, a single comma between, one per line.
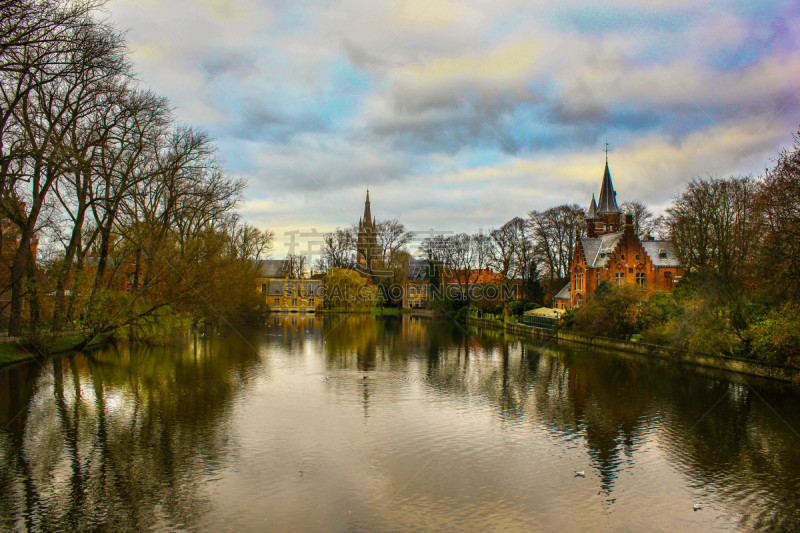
(608,196)
(367,218)
(592,209)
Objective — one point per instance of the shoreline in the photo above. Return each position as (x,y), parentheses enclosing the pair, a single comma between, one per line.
(374,311)
(719,362)
(18,351)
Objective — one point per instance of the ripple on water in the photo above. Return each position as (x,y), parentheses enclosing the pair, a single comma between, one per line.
(446,432)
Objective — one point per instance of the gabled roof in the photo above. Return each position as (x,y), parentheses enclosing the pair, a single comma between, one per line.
(661,253)
(417,270)
(563,294)
(597,250)
(272,268)
(608,196)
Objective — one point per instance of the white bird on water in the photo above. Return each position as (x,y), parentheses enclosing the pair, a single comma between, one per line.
(697,506)
(580,473)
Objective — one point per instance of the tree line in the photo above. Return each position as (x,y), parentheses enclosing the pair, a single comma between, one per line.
(131,211)
(536,250)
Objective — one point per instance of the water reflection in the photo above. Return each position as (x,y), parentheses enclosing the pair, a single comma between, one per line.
(120,436)
(390,424)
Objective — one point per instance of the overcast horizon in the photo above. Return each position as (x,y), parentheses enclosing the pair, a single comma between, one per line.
(462,115)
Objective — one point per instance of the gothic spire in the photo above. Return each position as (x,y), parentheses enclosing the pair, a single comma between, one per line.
(592,209)
(367,213)
(608,196)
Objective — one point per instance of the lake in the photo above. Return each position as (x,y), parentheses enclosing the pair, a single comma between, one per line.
(361,423)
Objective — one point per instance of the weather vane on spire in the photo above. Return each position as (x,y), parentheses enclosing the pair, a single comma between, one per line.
(606,151)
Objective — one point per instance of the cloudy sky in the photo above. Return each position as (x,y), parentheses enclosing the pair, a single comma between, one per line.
(459,115)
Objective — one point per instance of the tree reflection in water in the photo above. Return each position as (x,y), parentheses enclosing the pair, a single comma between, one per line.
(134,437)
(118,436)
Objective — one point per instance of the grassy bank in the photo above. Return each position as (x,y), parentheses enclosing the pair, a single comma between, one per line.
(12,352)
(19,352)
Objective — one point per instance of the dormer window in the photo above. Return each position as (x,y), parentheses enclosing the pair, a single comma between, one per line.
(662,253)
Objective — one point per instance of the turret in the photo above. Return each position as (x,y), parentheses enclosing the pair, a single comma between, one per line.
(604,216)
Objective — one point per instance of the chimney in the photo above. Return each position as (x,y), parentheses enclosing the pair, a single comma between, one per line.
(629,223)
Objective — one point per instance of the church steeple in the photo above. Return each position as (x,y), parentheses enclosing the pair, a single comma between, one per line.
(367,218)
(367,243)
(608,196)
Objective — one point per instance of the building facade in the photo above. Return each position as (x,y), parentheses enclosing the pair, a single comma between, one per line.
(416,284)
(612,251)
(295,295)
(282,293)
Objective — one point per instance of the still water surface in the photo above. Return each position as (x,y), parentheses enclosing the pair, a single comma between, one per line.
(358,423)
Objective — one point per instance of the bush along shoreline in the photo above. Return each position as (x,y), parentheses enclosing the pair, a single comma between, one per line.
(726,363)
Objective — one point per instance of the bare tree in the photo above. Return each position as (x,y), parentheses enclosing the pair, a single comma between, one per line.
(392,237)
(338,249)
(554,232)
(714,229)
(459,256)
(644,221)
(778,205)
(247,241)
(503,252)
(482,244)
(40,122)
(297,265)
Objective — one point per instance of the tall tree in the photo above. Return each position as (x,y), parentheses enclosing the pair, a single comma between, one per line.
(554,231)
(338,249)
(715,232)
(503,256)
(42,119)
(778,205)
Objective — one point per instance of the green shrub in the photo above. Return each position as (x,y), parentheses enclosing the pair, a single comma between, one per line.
(615,312)
(516,307)
(696,326)
(776,338)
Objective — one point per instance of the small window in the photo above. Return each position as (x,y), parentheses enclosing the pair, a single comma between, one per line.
(630,270)
(662,253)
(598,278)
(311,302)
(294,302)
(263,287)
(623,257)
(640,279)
(637,257)
(277,302)
(620,277)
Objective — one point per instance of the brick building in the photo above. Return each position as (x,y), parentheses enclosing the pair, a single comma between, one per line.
(611,251)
